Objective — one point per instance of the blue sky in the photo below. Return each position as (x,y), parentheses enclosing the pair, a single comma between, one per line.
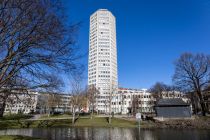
(151,35)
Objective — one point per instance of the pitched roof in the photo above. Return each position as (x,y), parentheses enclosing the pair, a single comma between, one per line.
(171,102)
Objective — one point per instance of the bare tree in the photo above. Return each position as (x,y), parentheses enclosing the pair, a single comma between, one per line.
(83,102)
(122,97)
(159,89)
(92,95)
(42,103)
(48,102)
(112,91)
(3,101)
(134,104)
(35,43)
(54,101)
(192,74)
(76,97)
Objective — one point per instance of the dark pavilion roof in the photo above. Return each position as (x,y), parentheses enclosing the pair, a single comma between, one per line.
(171,102)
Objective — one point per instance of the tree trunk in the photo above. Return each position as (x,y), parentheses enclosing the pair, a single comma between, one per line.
(110,113)
(53,110)
(73,116)
(193,101)
(2,108)
(203,108)
(92,114)
(110,119)
(91,117)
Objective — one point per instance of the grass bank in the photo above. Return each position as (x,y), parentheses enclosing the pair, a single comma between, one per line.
(55,116)
(16,117)
(61,116)
(18,138)
(80,122)
(34,123)
(198,123)
(103,122)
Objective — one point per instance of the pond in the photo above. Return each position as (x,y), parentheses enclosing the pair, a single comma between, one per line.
(89,133)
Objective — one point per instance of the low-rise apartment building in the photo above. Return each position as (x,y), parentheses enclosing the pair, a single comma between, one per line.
(21,103)
(125,101)
(53,102)
(37,102)
(130,101)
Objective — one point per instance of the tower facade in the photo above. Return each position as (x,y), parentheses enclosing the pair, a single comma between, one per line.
(102,62)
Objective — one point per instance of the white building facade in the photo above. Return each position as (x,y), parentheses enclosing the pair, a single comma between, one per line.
(175,94)
(102,62)
(21,103)
(49,102)
(37,102)
(131,101)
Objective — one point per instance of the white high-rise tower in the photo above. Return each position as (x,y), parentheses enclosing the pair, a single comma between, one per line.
(102,63)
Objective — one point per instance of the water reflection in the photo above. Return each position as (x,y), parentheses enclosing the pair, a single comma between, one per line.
(110,134)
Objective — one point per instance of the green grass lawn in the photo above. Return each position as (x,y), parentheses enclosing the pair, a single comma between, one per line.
(103,122)
(80,122)
(55,116)
(18,138)
(123,123)
(91,122)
